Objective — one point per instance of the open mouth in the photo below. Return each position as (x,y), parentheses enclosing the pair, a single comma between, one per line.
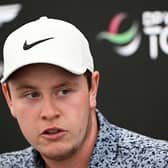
(53,133)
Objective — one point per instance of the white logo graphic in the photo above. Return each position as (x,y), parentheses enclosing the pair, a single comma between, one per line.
(156,27)
(8,13)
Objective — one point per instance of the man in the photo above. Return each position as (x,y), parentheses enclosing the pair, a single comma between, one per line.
(50,87)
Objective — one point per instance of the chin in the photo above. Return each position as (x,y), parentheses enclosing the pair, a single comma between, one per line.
(58,153)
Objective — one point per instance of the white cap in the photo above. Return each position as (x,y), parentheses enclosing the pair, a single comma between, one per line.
(49,41)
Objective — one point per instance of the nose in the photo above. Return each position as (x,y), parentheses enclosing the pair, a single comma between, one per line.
(49,110)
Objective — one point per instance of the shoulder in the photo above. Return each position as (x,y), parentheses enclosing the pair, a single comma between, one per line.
(141,149)
(23,158)
(121,147)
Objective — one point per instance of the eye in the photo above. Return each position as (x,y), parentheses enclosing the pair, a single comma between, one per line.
(64,92)
(32,95)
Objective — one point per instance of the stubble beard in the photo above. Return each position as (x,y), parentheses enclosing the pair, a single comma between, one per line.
(73,150)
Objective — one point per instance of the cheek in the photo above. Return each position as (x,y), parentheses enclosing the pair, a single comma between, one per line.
(23,111)
(28,127)
(82,100)
(26,118)
(81,112)
(20,111)
(78,114)
(78,128)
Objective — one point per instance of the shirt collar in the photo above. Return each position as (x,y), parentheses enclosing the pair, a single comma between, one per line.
(106,146)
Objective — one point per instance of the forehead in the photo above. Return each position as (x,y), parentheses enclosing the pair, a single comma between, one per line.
(40,70)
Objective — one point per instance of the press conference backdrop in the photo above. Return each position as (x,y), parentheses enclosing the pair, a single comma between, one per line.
(129,43)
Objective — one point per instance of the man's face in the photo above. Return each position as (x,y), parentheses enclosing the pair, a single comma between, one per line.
(54,109)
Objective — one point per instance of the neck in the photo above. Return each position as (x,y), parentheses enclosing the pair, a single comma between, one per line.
(81,158)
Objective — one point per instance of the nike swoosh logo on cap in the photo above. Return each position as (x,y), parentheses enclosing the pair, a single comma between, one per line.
(28,46)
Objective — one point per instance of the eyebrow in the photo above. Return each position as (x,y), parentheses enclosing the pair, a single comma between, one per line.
(20,87)
(59,85)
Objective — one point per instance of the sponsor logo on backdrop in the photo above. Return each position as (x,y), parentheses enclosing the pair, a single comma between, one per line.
(155,26)
(8,12)
(127,43)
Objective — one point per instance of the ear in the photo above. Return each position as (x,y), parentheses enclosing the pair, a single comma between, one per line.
(7,97)
(94,89)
